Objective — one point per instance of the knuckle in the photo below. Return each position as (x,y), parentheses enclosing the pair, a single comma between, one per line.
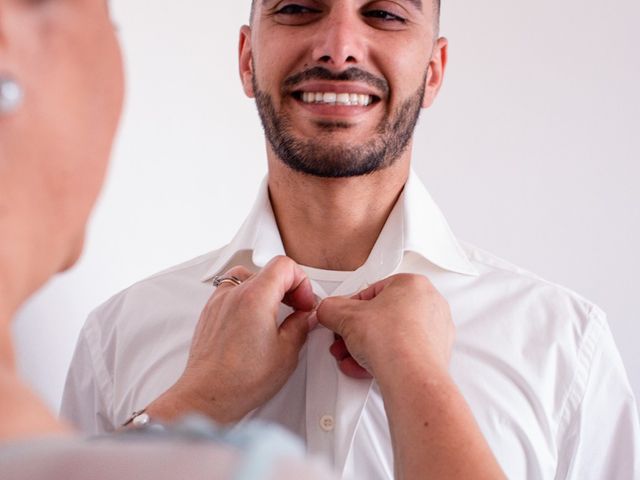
(327,305)
(350,322)
(238,271)
(332,311)
(416,282)
(248,297)
(278,267)
(403,277)
(282,262)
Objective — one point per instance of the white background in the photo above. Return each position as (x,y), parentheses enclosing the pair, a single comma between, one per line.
(532,151)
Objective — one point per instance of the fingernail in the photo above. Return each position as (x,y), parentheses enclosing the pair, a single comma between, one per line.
(312,320)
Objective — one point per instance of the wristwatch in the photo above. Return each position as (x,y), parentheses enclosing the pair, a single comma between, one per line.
(138,419)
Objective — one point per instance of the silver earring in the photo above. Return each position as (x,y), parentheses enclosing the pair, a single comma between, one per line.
(10,95)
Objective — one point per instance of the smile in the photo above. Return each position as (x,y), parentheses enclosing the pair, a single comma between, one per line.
(335,98)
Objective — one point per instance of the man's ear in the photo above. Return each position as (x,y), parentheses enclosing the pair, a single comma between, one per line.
(245,63)
(435,75)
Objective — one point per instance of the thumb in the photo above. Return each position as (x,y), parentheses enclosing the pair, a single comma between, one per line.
(294,330)
(333,313)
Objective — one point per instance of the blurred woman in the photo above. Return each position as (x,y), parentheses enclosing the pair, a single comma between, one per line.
(61,94)
(61,71)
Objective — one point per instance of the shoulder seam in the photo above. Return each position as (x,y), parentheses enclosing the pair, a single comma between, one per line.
(588,305)
(584,363)
(104,380)
(199,260)
(194,262)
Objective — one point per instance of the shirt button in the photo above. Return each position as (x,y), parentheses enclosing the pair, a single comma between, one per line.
(327,423)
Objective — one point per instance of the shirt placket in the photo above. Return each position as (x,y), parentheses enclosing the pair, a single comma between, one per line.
(335,402)
(321,384)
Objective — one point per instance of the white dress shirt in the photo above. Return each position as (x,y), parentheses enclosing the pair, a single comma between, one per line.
(536,362)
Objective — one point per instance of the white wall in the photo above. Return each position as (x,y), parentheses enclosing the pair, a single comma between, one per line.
(532,151)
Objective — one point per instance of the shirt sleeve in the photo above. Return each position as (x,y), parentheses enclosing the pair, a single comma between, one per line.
(601,438)
(87,390)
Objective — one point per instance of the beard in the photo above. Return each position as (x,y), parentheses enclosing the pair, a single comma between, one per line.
(319,157)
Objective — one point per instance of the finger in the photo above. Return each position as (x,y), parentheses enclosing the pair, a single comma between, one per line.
(301,297)
(281,278)
(334,312)
(346,362)
(294,330)
(339,349)
(312,320)
(372,291)
(353,369)
(239,272)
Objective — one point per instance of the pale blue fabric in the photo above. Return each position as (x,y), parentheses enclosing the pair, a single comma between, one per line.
(260,444)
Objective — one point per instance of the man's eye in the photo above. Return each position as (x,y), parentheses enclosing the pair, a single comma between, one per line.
(294,9)
(384,16)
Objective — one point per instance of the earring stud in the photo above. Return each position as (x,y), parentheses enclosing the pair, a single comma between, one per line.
(11,95)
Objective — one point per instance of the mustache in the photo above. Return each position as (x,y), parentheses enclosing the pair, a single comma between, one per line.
(349,75)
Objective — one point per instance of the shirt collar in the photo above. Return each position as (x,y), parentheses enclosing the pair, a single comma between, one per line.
(427,233)
(258,238)
(415,224)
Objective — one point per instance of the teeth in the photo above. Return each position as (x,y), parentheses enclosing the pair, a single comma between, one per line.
(331,98)
(343,99)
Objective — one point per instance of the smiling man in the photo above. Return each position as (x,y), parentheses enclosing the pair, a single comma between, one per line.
(339,85)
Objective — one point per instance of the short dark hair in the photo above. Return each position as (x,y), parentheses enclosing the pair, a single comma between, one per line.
(253,4)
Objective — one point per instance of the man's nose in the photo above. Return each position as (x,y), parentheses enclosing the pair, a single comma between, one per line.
(340,43)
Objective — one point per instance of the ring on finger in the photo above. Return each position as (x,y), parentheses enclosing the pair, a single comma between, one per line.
(222,279)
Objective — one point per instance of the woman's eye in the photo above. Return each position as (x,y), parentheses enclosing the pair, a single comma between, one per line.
(384,16)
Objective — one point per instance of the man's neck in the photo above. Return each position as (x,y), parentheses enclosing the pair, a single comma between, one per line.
(333,224)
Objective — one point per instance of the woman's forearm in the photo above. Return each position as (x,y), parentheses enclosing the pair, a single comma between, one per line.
(432,428)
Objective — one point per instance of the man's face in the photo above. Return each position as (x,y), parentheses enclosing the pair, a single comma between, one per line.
(339,83)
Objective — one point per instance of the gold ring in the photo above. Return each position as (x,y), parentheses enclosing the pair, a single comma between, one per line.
(220,279)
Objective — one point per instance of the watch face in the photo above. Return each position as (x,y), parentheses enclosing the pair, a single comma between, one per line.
(141,420)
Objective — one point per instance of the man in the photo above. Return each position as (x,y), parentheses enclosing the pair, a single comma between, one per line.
(49,180)
(339,86)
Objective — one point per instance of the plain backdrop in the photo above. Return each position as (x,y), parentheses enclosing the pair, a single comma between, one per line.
(532,150)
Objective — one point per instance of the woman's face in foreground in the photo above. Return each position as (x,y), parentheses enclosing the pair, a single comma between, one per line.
(56,146)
